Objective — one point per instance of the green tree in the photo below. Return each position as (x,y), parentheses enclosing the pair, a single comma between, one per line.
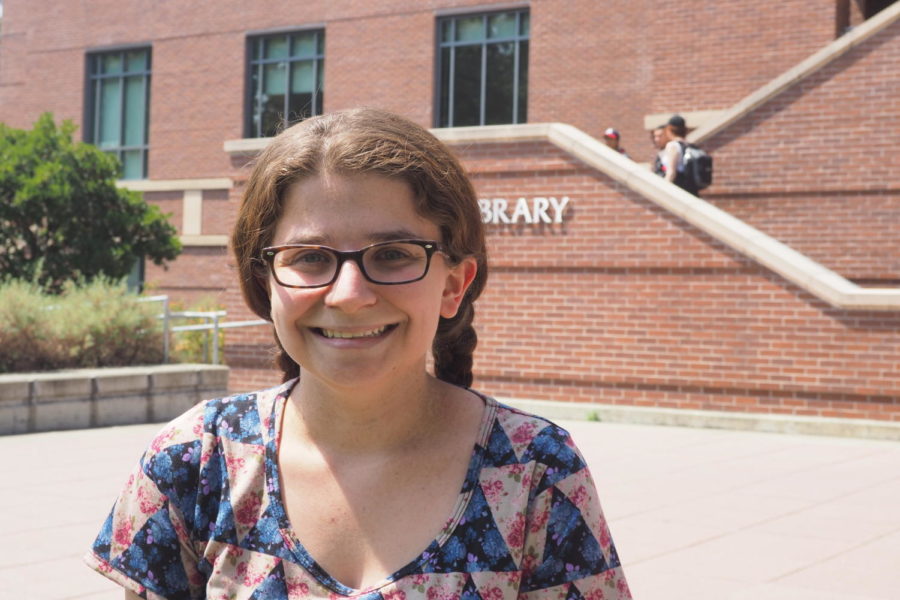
(62,217)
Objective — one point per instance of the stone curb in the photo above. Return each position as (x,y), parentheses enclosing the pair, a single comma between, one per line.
(769,423)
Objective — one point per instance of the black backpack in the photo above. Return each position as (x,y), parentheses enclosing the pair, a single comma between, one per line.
(698,165)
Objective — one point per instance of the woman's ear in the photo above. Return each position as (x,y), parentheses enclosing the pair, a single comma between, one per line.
(458,281)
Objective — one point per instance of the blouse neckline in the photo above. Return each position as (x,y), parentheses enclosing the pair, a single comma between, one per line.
(299,552)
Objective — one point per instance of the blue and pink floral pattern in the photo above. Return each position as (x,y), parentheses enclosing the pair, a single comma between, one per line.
(201,517)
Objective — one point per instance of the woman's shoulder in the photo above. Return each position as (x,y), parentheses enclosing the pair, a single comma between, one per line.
(243,417)
(523,437)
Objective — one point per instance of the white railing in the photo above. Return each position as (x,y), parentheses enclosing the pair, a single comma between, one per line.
(213,324)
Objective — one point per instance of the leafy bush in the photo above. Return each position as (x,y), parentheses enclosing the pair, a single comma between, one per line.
(97,324)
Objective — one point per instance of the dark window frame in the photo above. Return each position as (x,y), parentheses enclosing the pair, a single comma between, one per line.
(520,69)
(93,77)
(253,127)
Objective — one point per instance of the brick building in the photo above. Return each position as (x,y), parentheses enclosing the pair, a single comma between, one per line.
(780,293)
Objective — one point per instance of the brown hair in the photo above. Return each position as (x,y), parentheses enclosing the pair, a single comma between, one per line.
(678,130)
(378,142)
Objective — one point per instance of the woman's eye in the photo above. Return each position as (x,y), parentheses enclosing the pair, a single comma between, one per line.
(391,253)
(307,258)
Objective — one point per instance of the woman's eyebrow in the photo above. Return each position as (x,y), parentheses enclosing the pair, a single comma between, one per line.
(314,239)
(394,234)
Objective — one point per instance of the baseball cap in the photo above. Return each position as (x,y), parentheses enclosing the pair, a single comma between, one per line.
(611,133)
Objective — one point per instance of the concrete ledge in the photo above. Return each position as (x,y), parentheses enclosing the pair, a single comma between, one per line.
(769,423)
(82,398)
(175,185)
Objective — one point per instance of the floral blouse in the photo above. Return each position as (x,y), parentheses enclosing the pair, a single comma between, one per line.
(201,516)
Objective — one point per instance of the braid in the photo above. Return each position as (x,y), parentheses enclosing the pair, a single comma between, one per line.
(454,344)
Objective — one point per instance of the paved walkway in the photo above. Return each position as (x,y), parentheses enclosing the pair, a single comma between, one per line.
(697,514)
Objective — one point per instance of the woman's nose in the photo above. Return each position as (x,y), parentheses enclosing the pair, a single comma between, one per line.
(351,290)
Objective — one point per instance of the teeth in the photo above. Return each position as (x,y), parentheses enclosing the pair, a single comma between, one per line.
(347,335)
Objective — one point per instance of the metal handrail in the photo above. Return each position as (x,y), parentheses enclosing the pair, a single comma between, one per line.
(213,324)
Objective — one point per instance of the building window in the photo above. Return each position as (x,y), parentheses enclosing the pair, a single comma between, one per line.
(483,66)
(285,83)
(119,107)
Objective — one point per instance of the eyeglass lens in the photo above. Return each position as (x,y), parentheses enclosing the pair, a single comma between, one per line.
(395,262)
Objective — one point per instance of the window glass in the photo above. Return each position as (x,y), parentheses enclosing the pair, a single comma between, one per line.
(134,111)
(276,47)
(111,63)
(499,84)
(483,69)
(110,114)
(467,86)
(502,25)
(136,61)
(118,107)
(470,29)
(285,83)
(305,44)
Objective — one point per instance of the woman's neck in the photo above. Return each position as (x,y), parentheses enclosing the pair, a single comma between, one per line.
(361,421)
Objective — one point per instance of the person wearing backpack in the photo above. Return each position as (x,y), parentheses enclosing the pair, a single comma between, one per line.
(684,164)
(673,155)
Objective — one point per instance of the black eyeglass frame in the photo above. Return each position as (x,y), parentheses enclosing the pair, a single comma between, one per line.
(342,256)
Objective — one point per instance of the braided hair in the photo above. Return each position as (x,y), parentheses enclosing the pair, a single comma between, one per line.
(374,142)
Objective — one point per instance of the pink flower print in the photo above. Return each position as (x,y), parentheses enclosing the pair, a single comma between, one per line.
(492,490)
(122,534)
(540,520)
(493,593)
(297,588)
(394,595)
(517,531)
(579,496)
(159,442)
(596,594)
(248,510)
(436,593)
(148,505)
(250,576)
(524,433)
(198,428)
(234,463)
(420,579)
(605,538)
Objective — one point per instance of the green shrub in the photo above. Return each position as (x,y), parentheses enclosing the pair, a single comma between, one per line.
(98,324)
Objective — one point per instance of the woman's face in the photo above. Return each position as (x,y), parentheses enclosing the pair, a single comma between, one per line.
(354,332)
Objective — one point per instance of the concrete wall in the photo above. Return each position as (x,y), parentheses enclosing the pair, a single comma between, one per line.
(83,398)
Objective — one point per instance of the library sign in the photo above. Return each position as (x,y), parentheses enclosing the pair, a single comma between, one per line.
(536,210)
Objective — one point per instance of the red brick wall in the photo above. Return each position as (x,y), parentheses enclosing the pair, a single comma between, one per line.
(709,55)
(816,166)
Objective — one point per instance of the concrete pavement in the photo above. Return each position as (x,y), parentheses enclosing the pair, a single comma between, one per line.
(696,513)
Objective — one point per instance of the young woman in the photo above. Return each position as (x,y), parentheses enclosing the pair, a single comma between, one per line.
(673,155)
(361,240)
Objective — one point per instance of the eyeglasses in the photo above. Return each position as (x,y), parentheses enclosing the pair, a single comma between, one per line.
(384,263)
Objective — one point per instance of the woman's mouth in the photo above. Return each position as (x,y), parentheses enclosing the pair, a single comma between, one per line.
(351,335)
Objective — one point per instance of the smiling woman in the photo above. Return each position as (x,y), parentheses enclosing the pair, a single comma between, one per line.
(363,475)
